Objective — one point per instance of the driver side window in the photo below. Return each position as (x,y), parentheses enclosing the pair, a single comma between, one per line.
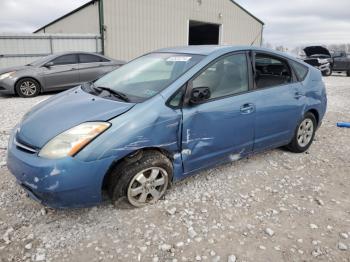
(227,76)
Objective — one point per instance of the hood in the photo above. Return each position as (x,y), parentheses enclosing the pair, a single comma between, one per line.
(316,50)
(14,68)
(64,111)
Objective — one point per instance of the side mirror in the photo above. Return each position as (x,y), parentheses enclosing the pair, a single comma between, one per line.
(199,94)
(48,64)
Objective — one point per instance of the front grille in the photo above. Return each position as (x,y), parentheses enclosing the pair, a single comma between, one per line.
(313,62)
(25,147)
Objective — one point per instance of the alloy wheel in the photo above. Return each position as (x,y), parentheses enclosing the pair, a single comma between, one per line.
(305,132)
(147,186)
(28,88)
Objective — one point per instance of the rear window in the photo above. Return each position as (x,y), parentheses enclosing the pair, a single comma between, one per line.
(87,58)
(300,70)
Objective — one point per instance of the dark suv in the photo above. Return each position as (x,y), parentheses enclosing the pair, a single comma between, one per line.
(341,62)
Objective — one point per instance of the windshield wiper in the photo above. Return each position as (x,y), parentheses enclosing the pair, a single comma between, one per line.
(118,94)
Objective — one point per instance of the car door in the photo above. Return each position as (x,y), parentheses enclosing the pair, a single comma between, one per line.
(279,100)
(220,129)
(92,67)
(340,61)
(61,72)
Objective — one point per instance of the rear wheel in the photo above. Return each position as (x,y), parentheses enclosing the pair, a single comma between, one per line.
(304,134)
(141,182)
(348,73)
(27,87)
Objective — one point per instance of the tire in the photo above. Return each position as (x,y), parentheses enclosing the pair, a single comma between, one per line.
(348,73)
(303,138)
(27,87)
(141,182)
(328,72)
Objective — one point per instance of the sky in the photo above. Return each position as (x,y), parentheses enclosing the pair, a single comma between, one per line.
(288,23)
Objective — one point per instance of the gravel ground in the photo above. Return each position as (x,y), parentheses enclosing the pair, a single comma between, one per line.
(275,206)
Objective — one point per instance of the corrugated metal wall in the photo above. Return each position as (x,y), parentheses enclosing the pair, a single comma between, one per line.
(21,49)
(83,21)
(137,26)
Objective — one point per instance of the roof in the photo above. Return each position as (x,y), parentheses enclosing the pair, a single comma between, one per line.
(93,1)
(66,15)
(192,49)
(207,50)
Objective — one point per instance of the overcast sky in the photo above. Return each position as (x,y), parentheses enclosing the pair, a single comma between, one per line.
(288,23)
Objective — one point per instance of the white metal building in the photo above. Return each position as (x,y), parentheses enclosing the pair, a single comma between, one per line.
(130,28)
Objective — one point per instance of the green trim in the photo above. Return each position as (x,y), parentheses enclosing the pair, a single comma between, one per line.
(68,14)
(102,25)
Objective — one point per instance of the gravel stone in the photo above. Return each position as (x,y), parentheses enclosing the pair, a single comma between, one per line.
(342,246)
(269,232)
(344,235)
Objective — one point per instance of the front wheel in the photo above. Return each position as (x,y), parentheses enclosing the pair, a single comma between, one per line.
(141,182)
(304,134)
(327,72)
(348,73)
(27,87)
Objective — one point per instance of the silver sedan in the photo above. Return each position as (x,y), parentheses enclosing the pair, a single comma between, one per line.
(55,72)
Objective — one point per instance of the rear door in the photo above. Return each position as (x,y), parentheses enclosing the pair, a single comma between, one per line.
(92,67)
(279,99)
(63,72)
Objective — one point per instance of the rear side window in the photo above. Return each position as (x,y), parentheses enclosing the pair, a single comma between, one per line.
(87,58)
(300,70)
(66,60)
(271,71)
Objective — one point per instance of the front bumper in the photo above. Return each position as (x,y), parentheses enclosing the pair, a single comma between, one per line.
(62,183)
(324,67)
(7,86)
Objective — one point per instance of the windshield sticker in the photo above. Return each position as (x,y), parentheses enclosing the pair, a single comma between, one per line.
(150,92)
(178,58)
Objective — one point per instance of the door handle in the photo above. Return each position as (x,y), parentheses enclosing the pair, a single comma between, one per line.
(247,108)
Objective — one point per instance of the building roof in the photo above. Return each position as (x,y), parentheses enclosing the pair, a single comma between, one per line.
(93,1)
(66,15)
(249,13)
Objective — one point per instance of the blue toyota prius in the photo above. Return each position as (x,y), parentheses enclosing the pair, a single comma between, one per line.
(160,118)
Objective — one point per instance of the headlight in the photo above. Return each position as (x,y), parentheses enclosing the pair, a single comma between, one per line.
(73,140)
(6,75)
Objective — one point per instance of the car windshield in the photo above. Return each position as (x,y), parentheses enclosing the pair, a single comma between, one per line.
(146,76)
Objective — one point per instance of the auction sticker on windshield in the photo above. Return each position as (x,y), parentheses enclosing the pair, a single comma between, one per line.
(178,58)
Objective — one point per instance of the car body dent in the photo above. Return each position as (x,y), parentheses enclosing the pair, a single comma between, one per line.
(159,128)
